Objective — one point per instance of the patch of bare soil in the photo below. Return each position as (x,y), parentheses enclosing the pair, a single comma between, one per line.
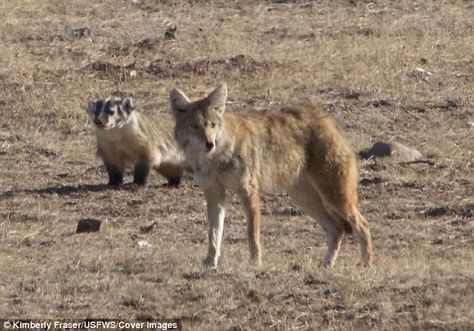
(242,64)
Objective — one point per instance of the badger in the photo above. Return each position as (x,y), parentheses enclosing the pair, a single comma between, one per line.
(126,139)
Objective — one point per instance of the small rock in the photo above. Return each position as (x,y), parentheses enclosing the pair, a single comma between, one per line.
(336,307)
(381,103)
(145,228)
(379,149)
(435,211)
(392,149)
(88,225)
(372,181)
(288,211)
(419,73)
(253,295)
(350,94)
(81,32)
(192,275)
(470,125)
(405,154)
(296,267)
(142,244)
(310,280)
(142,65)
(170,34)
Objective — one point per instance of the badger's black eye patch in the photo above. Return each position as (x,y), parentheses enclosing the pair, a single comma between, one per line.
(120,111)
(98,107)
(107,109)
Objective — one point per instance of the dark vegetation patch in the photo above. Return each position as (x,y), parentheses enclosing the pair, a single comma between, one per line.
(463,211)
(243,64)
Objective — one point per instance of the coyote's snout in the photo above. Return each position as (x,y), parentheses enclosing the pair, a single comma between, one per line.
(298,149)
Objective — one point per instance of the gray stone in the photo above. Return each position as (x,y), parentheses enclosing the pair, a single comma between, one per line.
(395,150)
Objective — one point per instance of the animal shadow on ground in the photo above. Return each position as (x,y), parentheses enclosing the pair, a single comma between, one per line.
(65,190)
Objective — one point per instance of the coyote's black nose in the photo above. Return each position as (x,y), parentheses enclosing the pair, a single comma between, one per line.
(97,121)
(209,146)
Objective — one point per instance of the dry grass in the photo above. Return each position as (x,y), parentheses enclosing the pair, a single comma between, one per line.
(351,56)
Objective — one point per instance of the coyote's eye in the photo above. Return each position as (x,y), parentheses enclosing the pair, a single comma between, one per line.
(213,124)
(109,112)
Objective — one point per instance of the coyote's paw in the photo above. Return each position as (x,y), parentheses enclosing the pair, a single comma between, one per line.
(363,264)
(210,262)
(256,261)
(326,264)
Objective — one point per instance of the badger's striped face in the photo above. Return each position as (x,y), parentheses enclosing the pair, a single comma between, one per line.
(110,113)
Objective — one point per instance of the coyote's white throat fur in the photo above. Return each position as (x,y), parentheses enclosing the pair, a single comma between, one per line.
(298,149)
(125,138)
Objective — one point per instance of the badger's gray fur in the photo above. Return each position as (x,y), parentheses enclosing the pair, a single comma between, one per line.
(125,138)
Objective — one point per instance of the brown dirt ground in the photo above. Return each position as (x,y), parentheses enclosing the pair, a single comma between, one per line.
(353,57)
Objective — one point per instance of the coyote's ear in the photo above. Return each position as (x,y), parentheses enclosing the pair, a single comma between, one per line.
(218,97)
(90,106)
(127,105)
(179,101)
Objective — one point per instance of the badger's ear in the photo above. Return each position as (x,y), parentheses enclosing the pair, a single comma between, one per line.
(127,104)
(218,97)
(90,105)
(179,101)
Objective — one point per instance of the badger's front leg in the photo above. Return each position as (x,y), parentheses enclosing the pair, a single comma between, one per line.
(115,174)
(141,172)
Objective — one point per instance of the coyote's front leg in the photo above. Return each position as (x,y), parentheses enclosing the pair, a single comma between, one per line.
(215,197)
(250,196)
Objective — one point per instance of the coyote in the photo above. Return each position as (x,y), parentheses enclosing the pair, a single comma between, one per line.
(126,138)
(297,149)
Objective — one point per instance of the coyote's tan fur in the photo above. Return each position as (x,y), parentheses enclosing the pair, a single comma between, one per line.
(300,150)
